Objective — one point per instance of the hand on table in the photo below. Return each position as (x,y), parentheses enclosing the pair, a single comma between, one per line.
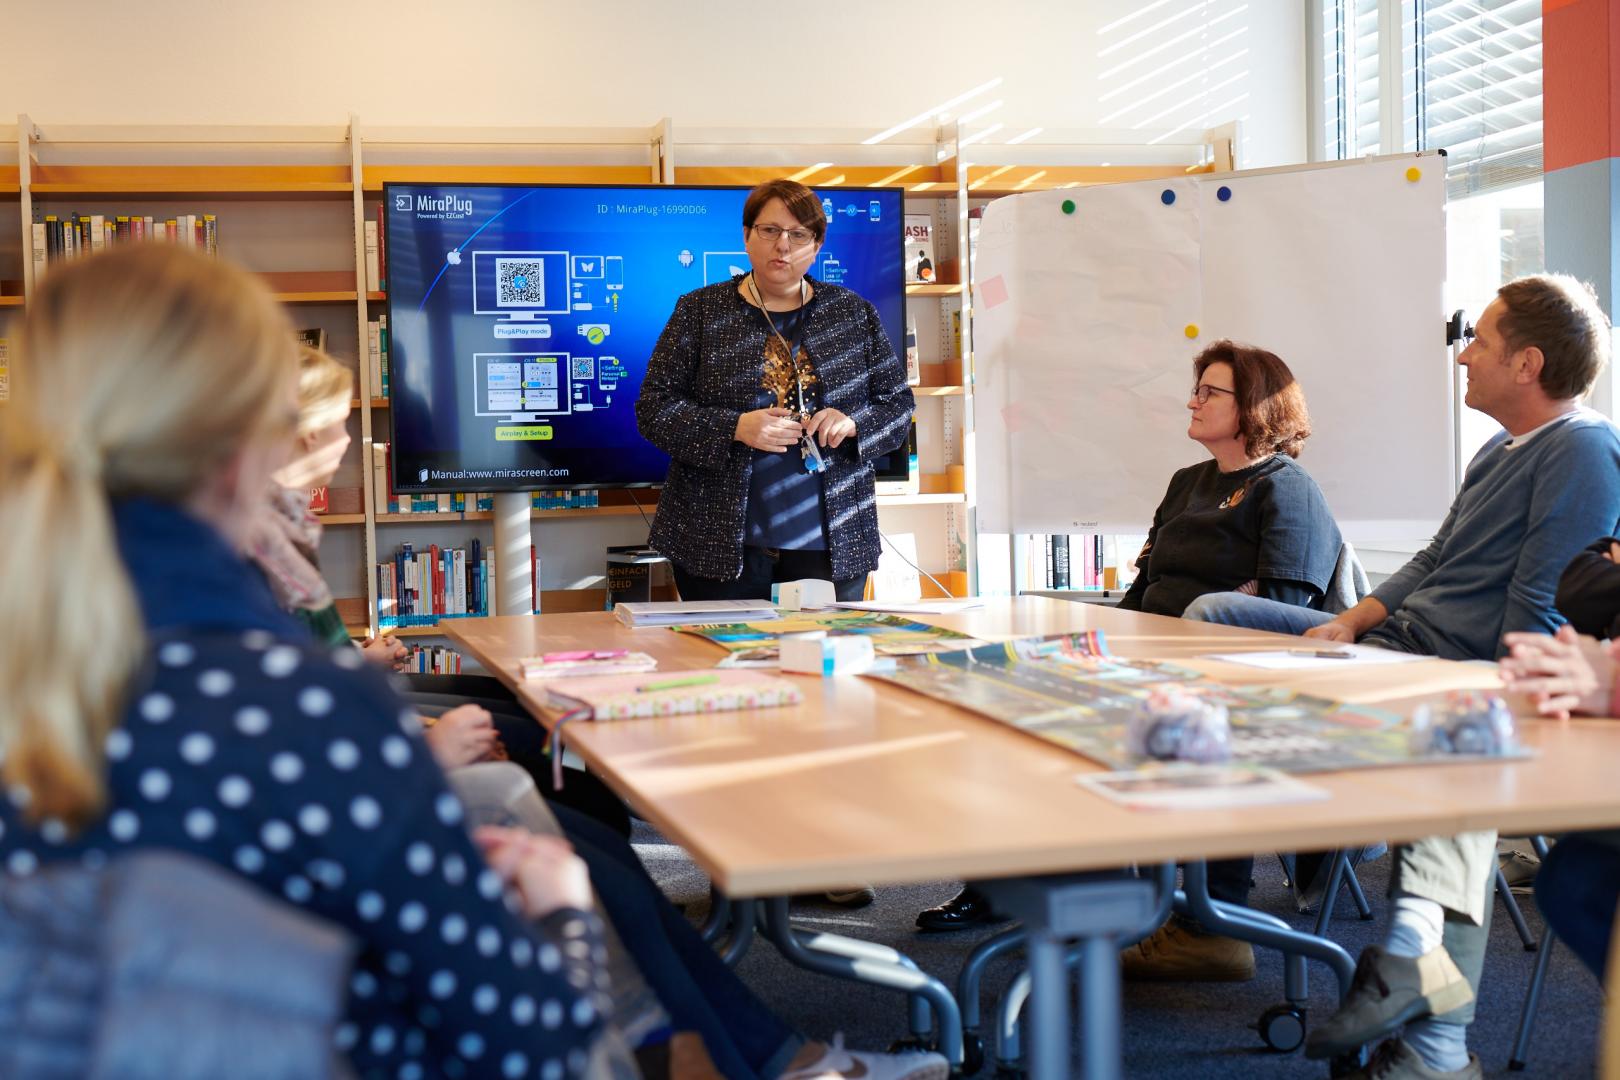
(830,427)
(771,430)
(461,736)
(1332,630)
(543,869)
(1564,673)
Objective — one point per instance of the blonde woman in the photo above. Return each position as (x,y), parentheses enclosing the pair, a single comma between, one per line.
(157,696)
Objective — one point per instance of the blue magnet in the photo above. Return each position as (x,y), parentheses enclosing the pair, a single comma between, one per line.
(1223,193)
(1168,197)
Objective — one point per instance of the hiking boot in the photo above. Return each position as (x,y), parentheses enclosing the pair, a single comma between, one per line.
(1389,991)
(1177,953)
(1394,1060)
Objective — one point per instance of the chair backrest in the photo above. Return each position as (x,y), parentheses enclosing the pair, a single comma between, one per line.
(1349,584)
(162,965)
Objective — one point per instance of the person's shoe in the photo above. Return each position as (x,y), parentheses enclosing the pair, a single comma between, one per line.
(853,897)
(1394,1060)
(1520,869)
(1389,991)
(1313,869)
(970,907)
(1176,953)
(837,1063)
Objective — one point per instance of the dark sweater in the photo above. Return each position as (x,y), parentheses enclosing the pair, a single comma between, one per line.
(1216,531)
(250,746)
(705,373)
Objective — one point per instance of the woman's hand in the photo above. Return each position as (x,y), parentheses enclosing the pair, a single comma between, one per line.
(1565,673)
(543,869)
(830,427)
(462,736)
(386,651)
(769,430)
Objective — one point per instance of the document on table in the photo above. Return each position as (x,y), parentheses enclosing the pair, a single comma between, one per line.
(1199,787)
(914,607)
(1329,656)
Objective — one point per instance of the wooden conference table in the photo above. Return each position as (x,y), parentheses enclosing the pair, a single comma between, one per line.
(870,782)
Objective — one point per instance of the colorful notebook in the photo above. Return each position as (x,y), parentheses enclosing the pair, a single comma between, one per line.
(566,665)
(671,693)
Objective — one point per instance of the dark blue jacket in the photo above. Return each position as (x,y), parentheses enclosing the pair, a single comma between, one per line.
(297,767)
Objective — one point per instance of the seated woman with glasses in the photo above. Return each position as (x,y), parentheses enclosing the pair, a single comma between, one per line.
(1249,519)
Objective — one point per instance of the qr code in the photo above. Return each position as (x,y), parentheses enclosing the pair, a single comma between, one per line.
(520,282)
(584,367)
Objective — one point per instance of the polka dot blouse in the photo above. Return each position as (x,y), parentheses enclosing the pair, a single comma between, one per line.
(297,768)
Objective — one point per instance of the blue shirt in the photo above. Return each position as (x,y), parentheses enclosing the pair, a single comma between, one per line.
(784,502)
(1523,513)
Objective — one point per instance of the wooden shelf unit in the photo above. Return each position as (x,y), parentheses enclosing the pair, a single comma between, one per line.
(111,163)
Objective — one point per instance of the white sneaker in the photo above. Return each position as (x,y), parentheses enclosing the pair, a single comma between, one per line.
(837,1063)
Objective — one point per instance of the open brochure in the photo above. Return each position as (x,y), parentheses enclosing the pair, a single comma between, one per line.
(1199,787)
(694,612)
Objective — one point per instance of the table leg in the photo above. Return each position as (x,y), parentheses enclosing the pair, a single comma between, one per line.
(742,932)
(1049,1013)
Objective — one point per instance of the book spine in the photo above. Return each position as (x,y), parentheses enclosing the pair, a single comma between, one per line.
(1060,561)
(382,353)
(373,271)
(39,248)
(211,235)
(98,232)
(382,250)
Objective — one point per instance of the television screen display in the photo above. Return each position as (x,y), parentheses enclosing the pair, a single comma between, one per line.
(521,319)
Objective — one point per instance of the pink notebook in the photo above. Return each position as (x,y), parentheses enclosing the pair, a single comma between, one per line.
(671,693)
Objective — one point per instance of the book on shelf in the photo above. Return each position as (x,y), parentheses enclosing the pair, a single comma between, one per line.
(419,587)
(319,501)
(377,354)
(382,250)
(56,238)
(433,660)
(314,337)
(919,249)
(5,370)
(373,268)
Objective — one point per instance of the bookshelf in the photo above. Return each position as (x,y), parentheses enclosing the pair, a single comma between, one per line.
(292,202)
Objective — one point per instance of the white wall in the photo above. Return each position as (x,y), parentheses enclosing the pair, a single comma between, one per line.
(1066,64)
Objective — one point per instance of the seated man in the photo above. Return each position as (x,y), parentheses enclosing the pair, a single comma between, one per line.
(1533,496)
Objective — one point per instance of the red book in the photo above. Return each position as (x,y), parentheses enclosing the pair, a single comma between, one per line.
(317,500)
(382,251)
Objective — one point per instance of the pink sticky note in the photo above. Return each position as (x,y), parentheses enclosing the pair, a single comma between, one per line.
(993,292)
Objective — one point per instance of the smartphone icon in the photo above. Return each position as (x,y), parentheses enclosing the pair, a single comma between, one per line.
(613,270)
(876,210)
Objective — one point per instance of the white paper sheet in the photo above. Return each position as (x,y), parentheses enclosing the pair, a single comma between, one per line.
(1342,656)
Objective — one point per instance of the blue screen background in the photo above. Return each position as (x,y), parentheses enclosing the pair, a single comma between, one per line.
(476,273)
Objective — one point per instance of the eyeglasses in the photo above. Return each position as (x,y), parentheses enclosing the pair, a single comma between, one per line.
(772,233)
(1202,391)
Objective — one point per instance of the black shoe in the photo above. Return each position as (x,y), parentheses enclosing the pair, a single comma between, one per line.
(967,908)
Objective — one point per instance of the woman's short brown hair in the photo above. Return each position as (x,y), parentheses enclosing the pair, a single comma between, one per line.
(1272,417)
(800,201)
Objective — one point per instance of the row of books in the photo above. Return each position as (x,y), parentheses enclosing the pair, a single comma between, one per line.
(1081,561)
(387,501)
(377,354)
(376,246)
(433,660)
(418,587)
(55,239)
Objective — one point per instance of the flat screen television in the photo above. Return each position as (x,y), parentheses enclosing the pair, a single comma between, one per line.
(521,319)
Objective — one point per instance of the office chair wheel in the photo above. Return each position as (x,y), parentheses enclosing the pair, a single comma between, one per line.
(1282,1028)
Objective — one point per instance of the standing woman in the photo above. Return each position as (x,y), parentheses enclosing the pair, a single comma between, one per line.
(772,392)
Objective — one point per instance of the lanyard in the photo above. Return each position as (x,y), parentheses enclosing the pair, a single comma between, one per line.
(792,347)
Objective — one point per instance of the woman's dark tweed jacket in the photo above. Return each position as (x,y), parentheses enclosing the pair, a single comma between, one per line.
(705,372)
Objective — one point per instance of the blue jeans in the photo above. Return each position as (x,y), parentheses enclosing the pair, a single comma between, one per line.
(1577,890)
(1253,613)
(743,1037)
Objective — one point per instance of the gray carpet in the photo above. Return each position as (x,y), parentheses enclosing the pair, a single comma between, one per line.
(1169,1031)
